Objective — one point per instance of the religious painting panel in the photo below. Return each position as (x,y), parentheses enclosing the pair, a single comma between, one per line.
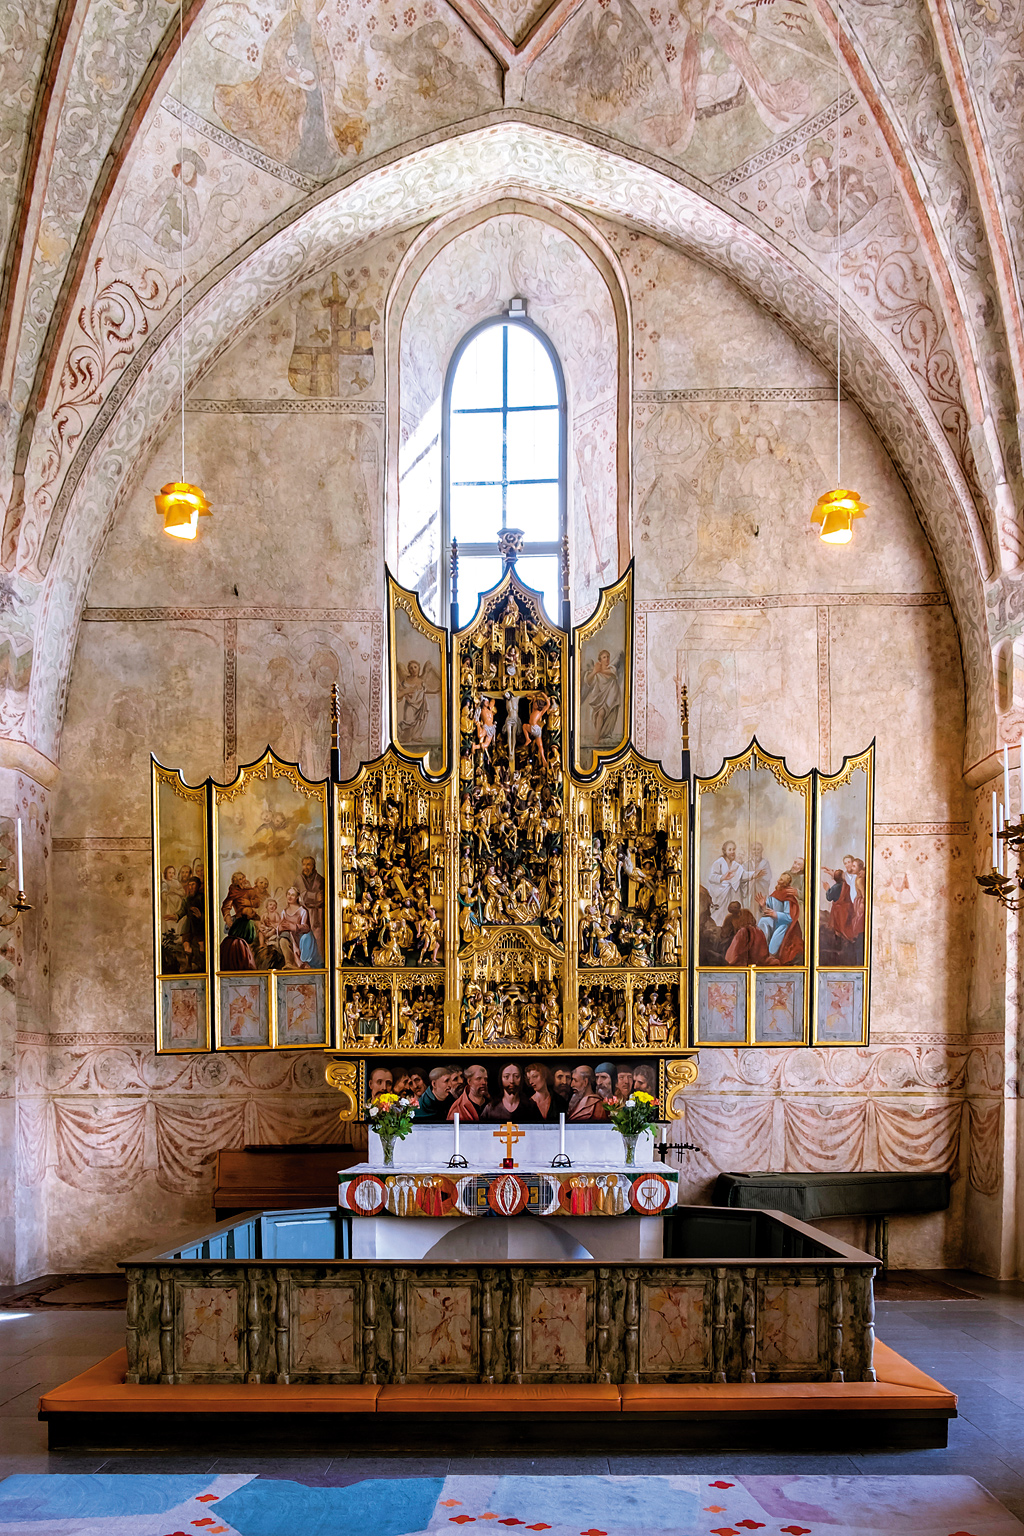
(845,814)
(778,1008)
(674,1336)
(559,1327)
(497,1087)
(753,844)
(841,1016)
(184,1014)
(391,902)
(511,667)
(603,677)
(721,1008)
(270,862)
(180,886)
(300,1010)
(418,680)
(243,1019)
(442,1330)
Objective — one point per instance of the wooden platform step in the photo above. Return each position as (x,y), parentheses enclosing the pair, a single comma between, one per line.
(99,1409)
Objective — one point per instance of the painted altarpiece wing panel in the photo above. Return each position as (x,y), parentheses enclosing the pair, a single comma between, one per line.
(844,836)
(180,916)
(752,830)
(603,677)
(270,893)
(418,681)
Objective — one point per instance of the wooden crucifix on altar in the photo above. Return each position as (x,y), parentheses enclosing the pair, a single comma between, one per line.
(509,1134)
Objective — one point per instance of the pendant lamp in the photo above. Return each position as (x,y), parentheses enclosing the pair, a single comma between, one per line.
(835,511)
(180,504)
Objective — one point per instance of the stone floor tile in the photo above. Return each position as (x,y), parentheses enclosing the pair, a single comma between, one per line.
(137,1462)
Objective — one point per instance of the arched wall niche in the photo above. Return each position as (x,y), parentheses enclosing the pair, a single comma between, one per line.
(460,270)
(521,161)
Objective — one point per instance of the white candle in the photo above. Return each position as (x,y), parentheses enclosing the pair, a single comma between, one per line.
(21,860)
(456,1135)
(561,1132)
(995,823)
(1021,779)
(1006,779)
(1002,845)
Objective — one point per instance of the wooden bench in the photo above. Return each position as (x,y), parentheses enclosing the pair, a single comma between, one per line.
(283,1178)
(98,1409)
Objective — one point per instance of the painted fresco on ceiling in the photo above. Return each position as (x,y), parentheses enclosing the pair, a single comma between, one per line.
(708,83)
(314,85)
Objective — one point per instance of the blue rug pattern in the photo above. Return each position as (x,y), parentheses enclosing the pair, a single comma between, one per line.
(229,1504)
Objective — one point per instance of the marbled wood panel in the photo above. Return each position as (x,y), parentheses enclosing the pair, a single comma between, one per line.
(559,1329)
(296,502)
(792,1324)
(138,689)
(675,1332)
(324,1323)
(443,1330)
(209,1325)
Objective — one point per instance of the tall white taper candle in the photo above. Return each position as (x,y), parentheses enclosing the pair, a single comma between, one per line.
(1006,781)
(21,860)
(456,1135)
(561,1132)
(995,823)
(1002,845)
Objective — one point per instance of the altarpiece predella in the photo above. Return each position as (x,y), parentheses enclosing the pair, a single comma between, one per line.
(511,879)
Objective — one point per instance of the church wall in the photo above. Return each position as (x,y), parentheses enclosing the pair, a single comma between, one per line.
(202,653)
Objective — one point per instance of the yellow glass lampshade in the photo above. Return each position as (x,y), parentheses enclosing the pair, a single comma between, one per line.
(835,512)
(181,506)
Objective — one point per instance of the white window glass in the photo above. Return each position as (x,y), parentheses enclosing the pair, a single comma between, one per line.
(478,380)
(534,509)
(505,429)
(541,573)
(531,378)
(478,573)
(532,445)
(475,509)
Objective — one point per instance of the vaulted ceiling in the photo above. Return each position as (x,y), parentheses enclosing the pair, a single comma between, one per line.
(290,130)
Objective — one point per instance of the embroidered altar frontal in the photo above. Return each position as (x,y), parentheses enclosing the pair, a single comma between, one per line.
(433,1193)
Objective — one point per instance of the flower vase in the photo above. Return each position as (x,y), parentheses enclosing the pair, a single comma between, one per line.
(629,1141)
(387,1147)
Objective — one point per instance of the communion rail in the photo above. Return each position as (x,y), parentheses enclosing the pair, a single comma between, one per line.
(741,1296)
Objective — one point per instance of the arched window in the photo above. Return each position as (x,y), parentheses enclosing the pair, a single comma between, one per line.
(504,454)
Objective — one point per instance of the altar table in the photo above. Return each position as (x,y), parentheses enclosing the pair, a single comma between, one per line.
(594,1212)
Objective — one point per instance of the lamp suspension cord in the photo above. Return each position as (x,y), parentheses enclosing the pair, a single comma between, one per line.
(839,229)
(181,231)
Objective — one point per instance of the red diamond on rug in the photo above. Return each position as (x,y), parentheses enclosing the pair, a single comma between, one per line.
(462,1519)
(511,1521)
(797,1530)
(540,1527)
(720,1484)
(724,1530)
(751,1525)
(207,1498)
(593,1532)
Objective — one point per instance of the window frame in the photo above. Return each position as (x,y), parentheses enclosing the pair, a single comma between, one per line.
(545,547)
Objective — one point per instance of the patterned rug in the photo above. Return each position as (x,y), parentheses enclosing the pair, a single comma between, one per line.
(97,1504)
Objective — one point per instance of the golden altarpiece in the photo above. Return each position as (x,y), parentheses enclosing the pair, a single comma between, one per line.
(510,879)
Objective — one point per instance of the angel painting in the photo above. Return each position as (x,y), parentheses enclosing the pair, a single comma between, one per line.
(417,683)
(601,699)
